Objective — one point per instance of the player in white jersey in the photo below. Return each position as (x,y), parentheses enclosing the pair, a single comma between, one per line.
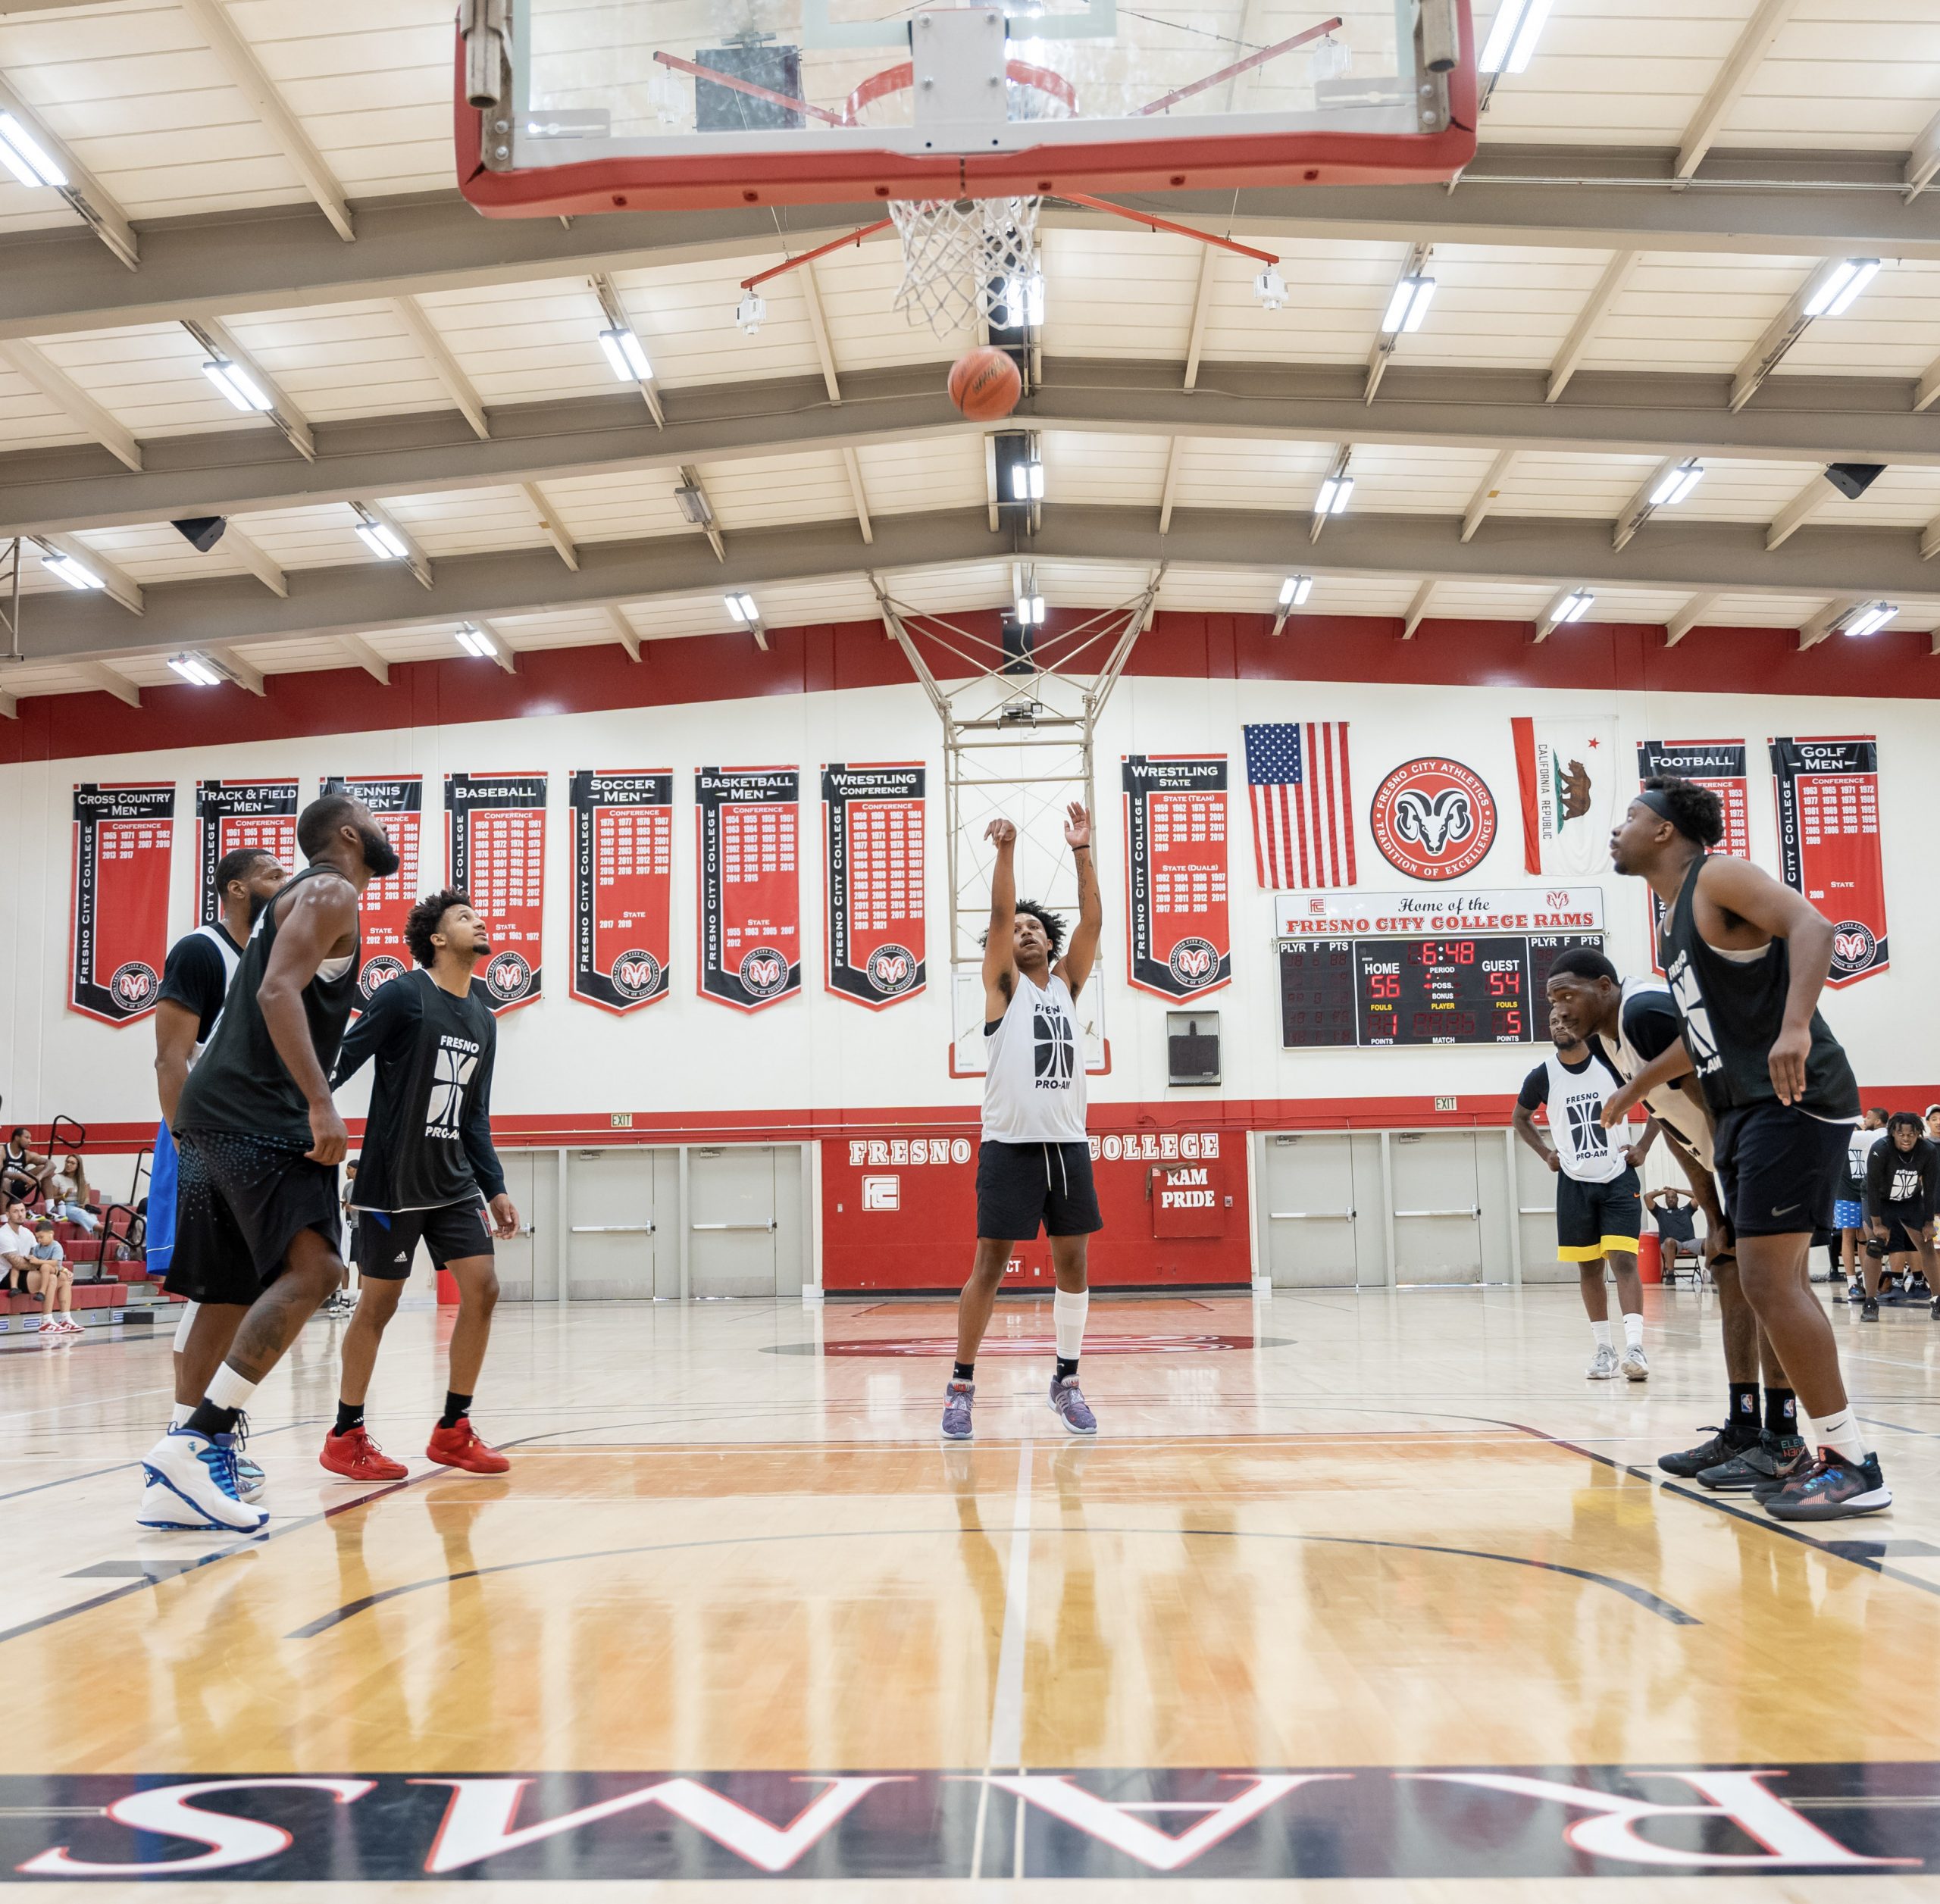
(1034,1166)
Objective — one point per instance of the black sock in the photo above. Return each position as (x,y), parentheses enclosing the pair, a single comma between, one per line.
(1781,1411)
(455,1406)
(209,1419)
(963,1371)
(350,1414)
(1744,1416)
(1067,1365)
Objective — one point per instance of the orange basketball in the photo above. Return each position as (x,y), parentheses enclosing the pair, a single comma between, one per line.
(984,385)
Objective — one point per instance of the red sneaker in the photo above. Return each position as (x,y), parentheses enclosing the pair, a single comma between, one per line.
(457,1446)
(357,1458)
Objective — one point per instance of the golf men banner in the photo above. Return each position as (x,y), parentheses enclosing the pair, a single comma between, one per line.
(1829,843)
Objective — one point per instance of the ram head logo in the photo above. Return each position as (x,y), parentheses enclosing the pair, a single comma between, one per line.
(1434,825)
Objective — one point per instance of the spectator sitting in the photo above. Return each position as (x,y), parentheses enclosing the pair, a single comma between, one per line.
(68,1196)
(16,1249)
(1931,1115)
(22,1174)
(53,1281)
(1676,1219)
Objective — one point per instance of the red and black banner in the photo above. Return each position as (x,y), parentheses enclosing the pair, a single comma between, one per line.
(874,817)
(623,886)
(397,802)
(1829,843)
(233,813)
(1175,869)
(749,822)
(494,845)
(124,841)
(1718,764)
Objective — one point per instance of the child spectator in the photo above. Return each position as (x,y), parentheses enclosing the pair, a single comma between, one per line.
(53,1281)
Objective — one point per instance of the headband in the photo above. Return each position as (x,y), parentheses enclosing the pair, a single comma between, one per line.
(1656,801)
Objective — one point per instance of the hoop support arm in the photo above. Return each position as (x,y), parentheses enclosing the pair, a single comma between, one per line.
(821,250)
(1162,224)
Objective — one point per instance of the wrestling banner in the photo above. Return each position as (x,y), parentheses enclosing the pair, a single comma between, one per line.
(748,821)
(623,879)
(1179,944)
(233,813)
(1719,764)
(1829,843)
(397,802)
(873,818)
(494,845)
(124,836)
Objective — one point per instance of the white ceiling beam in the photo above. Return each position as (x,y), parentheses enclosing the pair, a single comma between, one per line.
(549,520)
(1930,540)
(1929,391)
(69,398)
(1687,618)
(1413,264)
(415,557)
(247,676)
(851,465)
(215,338)
(1547,623)
(1798,512)
(1417,611)
(1169,492)
(1343,457)
(458,386)
(263,567)
(1487,491)
(109,680)
(1640,508)
(990,477)
(1743,62)
(1201,309)
(10,708)
(367,658)
(689,478)
(1576,347)
(819,328)
(502,651)
(211,18)
(121,587)
(625,632)
(1784,330)
(614,306)
(1828,618)
(84,194)
(1923,161)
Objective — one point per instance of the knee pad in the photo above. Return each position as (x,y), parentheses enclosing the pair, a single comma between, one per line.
(1876,1251)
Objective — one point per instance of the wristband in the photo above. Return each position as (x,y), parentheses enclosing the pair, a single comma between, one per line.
(1085,849)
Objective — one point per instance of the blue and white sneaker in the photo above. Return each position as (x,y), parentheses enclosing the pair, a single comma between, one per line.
(1069,1406)
(200,1472)
(957,1400)
(162,1508)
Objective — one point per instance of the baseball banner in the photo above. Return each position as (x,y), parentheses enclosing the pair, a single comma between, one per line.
(494,845)
(232,814)
(1719,764)
(747,821)
(1178,943)
(124,838)
(397,801)
(623,886)
(1829,843)
(1567,771)
(873,820)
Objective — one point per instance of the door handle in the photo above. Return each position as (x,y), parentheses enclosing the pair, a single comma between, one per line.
(767,1228)
(1314,1216)
(613,1229)
(1472,1213)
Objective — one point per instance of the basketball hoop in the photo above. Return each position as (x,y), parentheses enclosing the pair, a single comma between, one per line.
(962,258)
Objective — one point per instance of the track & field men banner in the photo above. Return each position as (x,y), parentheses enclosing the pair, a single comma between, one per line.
(233,813)
(1829,843)
(397,800)
(623,883)
(124,835)
(494,845)
(873,822)
(1178,943)
(748,819)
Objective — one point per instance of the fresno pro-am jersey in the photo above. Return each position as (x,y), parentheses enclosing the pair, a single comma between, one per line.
(1647,1026)
(1576,1095)
(1033,1085)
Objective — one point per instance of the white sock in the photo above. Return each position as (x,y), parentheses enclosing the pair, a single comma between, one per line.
(1601,1331)
(1633,1330)
(180,1413)
(1068,1313)
(228,1389)
(187,1322)
(1840,1433)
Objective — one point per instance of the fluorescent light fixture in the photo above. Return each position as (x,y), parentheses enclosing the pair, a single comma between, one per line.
(1270,288)
(1677,485)
(382,540)
(1408,306)
(751,312)
(1574,607)
(694,505)
(65,568)
(25,157)
(1869,618)
(742,608)
(1335,492)
(1835,297)
(474,641)
(1512,35)
(236,384)
(194,670)
(1027,481)
(1294,591)
(623,352)
(1031,611)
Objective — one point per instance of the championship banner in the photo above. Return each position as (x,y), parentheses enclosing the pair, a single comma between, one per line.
(1829,843)
(873,818)
(748,820)
(622,881)
(494,845)
(125,839)
(1566,772)
(1178,943)
(1718,764)
(397,801)
(232,814)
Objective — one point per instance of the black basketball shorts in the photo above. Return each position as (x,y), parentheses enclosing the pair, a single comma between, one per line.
(387,1240)
(241,1200)
(1904,1228)
(1021,1186)
(1780,1170)
(1592,1219)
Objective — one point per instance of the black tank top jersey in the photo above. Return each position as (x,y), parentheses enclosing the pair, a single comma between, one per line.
(1731,1010)
(240,1082)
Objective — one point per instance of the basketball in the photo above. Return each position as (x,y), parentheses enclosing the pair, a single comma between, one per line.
(984,385)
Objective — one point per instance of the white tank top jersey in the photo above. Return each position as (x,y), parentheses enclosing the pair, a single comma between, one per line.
(1668,1104)
(1590,1154)
(1034,1084)
(231,958)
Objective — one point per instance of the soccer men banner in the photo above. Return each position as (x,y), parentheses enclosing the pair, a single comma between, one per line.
(124,836)
(1175,868)
(232,814)
(1829,843)
(623,879)
(397,802)
(874,817)
(748,819)
(494,845)
(1719,764)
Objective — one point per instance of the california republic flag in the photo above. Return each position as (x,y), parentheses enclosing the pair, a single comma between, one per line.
(1568,769)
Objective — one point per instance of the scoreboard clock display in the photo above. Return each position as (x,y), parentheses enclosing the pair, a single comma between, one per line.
(1459,989)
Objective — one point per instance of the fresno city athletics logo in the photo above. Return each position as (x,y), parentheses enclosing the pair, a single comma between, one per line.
(1193,962)
(379,971)
(764,972)
(132,987)
(636,974)
(891,969)
(1853,946)
(508,977)
(1433,819)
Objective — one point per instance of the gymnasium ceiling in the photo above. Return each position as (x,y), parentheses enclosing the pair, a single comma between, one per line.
(1654,195)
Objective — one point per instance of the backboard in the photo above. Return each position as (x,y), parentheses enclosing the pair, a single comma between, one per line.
(596,106)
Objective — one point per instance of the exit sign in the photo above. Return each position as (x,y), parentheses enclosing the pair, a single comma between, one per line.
(1444,1104)
(623,1120)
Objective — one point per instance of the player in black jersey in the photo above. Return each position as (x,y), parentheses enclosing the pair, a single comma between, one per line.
(260,1139)
(426,1163)
(1746,959)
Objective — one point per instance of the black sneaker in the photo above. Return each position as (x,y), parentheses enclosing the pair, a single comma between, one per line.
(1832,1489)
(1692,1463)
(1789,1458)
(1771,1459)
(1870,1311)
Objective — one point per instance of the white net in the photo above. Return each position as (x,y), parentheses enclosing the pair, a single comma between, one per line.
(962,258)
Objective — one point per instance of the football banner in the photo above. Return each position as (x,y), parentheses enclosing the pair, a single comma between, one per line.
(1178,943)
(1829,843)
(1567,771)
(494,845)
(748,820)
(232,814)
(873,821)
(397,802)
(623,886)
(124,841)
(1718,764)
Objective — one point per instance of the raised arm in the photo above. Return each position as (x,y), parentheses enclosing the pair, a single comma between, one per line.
(1081,954)
(322,914)
(999,944)
(385,1028)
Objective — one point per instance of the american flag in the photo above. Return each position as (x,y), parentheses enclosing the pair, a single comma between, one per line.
(1303,805)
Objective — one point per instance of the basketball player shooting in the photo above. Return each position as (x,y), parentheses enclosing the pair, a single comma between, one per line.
(1034,1165)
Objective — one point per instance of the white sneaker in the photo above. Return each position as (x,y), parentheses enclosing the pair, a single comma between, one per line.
(1603,1367)
(1636,1365)
(200,1473)
(162,1508)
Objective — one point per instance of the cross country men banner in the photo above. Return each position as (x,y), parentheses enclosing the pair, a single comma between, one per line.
(233,813)
(1175,872)
(1829,843)
(1567,772)
(494,845)
(873,820)
(124,836)
(749,819)
(397,801)
(623,886)
(1718,764)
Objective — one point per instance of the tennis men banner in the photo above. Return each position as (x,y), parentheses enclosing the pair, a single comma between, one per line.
(397,801)
(233,813)
(1718,764)
(1567,772)
(494,845)
(124,836)
(1178,942)
(623,886)
(748,819)
(1829,843)
(873,820)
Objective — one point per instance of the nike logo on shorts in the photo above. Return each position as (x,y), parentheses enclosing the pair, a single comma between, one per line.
(1786,1210)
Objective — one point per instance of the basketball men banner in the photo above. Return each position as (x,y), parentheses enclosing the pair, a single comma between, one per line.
(233,813)
(124,835)
(1718,764)
(1175,873)
(1829,843)
(494,845)
(873,819)
(398,801)
(748,819)
(623,883)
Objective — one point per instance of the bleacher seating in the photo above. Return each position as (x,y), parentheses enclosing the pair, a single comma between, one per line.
(98,1285)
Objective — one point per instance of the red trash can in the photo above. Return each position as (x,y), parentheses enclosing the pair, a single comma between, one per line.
(448,1283)
(1649,1258)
